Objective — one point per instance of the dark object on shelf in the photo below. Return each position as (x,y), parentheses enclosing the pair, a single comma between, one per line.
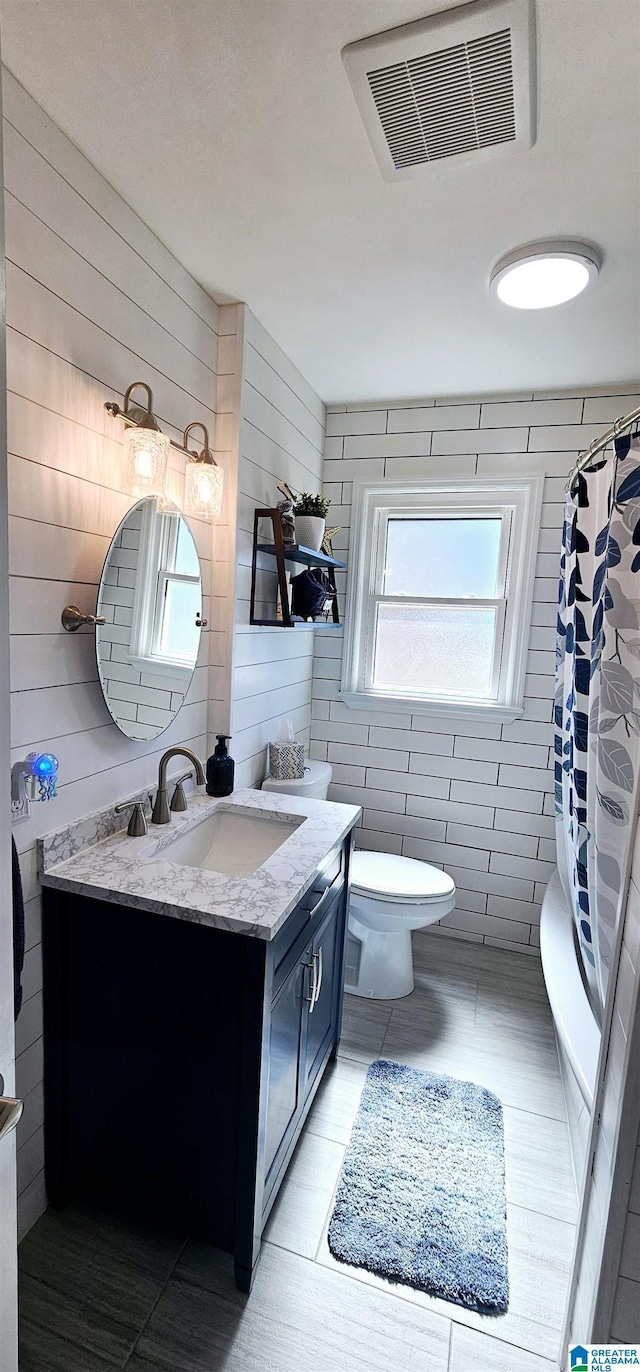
(283,553)
(220,769)
(310,591)
(178,1081)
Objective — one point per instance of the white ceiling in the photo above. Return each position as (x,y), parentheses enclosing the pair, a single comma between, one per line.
(230,126)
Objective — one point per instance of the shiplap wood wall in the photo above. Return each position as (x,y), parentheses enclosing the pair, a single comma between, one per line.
(94,301)
(8,1214)
(282,432)
(476,799)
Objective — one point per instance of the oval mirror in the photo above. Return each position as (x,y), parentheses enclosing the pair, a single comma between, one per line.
(151,597)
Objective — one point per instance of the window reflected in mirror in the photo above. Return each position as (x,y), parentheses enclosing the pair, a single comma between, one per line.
(151,598)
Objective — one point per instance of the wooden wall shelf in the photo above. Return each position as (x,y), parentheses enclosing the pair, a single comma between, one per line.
(284,553)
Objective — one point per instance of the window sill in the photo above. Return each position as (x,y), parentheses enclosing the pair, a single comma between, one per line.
(164,667)
(443,710)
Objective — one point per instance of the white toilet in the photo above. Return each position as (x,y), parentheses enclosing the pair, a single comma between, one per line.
(314,784)
(390,896)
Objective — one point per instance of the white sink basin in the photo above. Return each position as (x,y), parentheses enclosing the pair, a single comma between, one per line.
(226,842)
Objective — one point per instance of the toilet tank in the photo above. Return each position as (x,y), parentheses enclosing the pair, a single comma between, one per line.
(314,784)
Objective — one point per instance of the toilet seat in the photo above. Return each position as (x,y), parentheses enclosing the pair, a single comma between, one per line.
(400,880)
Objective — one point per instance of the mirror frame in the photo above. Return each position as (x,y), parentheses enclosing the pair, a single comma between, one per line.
(143,618)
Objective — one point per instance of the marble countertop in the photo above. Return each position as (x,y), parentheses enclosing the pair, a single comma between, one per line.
(82,860)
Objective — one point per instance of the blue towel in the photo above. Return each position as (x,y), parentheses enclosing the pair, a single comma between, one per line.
(18,930)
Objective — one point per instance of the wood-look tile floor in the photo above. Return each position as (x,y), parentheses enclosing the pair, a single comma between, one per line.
(97,1294)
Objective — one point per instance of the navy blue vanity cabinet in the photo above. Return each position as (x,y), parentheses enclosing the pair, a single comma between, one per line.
(283,1096)
(321,1015)
(181,1061)
(303,1033)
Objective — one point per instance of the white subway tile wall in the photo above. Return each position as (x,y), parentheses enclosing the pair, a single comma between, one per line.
(473,798)
(94,301)
(282,430)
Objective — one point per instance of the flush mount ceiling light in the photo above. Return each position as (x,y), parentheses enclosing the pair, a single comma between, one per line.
(541,275)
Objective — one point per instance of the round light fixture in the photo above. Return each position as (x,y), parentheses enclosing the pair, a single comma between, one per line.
(541,275)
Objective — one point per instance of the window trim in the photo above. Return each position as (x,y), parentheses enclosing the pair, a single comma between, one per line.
(373,500)
(158,541)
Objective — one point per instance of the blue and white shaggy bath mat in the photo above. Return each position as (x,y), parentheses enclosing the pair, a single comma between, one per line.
(421,1197)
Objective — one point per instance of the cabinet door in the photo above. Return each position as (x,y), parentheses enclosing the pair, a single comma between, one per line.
(323,1012)
(284,1086)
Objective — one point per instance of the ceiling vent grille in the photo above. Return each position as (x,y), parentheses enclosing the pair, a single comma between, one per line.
(447,102)
(467,99)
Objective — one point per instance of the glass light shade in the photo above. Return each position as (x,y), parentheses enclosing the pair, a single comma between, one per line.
(203,495)
(541,276)
(146,457)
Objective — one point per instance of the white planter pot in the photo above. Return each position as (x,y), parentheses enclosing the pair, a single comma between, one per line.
(310,531)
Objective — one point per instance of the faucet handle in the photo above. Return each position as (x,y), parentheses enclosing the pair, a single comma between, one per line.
(179,799)
(137,826)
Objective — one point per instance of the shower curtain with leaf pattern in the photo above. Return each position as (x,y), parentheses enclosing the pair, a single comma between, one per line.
(597,704)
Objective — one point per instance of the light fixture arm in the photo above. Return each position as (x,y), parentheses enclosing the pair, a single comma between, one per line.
(138,418)
(206,455)
(143,419)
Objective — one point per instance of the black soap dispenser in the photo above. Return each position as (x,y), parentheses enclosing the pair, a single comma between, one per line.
(220,769)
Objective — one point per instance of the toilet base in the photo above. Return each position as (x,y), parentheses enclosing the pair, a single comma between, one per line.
(385,970)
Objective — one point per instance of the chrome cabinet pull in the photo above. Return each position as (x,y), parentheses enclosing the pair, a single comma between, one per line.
(318,904)
(337,878)
(10,1112)
(318,955)
(311,1000)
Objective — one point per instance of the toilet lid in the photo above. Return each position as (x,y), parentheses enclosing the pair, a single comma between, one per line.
(384,876)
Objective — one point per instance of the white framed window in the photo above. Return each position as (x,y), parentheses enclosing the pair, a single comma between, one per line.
(168,597)
(439,595)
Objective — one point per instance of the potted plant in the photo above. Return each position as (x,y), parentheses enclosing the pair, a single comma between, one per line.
(311,516)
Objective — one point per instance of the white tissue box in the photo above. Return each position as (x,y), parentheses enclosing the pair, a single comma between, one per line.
(286,761)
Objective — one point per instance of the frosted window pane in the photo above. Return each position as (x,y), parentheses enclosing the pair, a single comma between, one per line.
(443,650)
(186,562)
(442,557)
(180,637)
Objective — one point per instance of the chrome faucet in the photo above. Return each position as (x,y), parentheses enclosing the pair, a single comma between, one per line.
(161,813)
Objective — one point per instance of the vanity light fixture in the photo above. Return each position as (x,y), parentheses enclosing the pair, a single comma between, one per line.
(544,274)
(203,494)
(146,447)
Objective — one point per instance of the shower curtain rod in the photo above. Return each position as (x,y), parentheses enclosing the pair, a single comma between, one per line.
(599,444)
